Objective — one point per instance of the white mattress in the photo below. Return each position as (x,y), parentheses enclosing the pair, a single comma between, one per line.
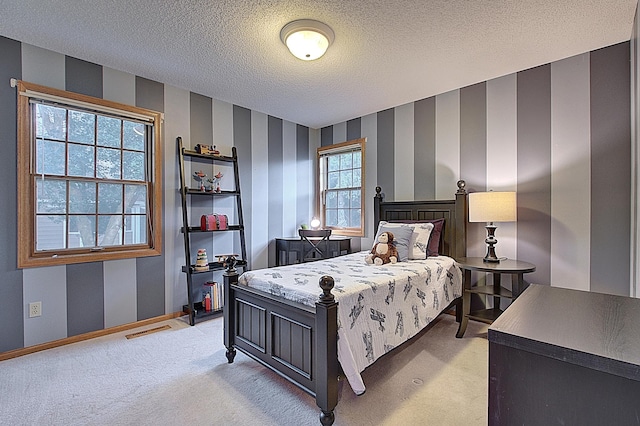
(379,308)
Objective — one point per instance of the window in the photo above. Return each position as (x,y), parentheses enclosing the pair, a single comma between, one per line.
(341,179)
(89,178)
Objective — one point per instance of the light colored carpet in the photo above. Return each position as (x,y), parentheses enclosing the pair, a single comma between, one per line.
(180,376)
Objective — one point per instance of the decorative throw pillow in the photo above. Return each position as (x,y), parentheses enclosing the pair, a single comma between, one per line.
(433,249)
(401,238)
(419,237)
(421,234)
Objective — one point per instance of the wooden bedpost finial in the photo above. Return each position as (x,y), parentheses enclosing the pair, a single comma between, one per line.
(461,186)
(379,195)
(326,284)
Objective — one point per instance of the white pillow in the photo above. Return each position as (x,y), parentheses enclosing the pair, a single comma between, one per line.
(419,237)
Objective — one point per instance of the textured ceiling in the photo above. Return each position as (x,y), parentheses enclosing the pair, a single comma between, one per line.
(386,53)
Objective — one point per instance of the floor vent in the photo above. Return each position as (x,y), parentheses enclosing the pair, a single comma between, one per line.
(145,332)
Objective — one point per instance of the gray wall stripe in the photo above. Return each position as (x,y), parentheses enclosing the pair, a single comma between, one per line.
(386,158)
(571,170)
(201,120)
(473,155)
(242,142)
(302,160)
(85,298)
(119,292)
(473,136)
(354,129)
(150,287)
(48,68)
(85,282)
(425,149)
(200,131)
(326,136)
(49,285)
(534,171)
(610,169)
(150,270)
(150,94)
(83,77)
(11,318)
(473,166)
(274,209)
(42,66)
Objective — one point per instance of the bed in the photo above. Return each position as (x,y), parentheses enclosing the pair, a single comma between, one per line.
(297,336)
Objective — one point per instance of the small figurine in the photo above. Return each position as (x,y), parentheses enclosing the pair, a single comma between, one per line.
(215,182)
(202,261)
(199,177)
(207,149)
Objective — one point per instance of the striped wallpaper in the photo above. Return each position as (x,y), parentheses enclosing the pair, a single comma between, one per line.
(276,177)
(559,134)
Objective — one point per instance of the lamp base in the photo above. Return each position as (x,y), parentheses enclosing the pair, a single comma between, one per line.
(490,259)
(491,242)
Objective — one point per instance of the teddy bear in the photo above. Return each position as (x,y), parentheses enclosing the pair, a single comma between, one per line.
(384,251)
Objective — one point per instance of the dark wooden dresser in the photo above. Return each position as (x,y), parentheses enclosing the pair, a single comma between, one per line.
(565,357)
(298,250)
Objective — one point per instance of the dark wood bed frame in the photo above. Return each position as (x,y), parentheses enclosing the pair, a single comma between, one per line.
(299,342)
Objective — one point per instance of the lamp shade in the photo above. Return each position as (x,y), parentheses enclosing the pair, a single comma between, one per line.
(307,39)
(315,223)
(492,206)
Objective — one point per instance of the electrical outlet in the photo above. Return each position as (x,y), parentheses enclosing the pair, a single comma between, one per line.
(35,309)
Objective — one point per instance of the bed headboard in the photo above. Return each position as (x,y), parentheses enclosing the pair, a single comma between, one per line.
(455,213)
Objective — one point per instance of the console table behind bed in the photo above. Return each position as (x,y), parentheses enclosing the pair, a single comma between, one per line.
(299,342)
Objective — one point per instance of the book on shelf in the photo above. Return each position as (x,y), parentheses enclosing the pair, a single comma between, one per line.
(216,294)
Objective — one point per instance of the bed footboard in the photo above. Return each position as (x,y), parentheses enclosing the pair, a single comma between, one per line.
(296,341)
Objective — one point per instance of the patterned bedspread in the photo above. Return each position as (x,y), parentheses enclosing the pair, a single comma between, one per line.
(379,308)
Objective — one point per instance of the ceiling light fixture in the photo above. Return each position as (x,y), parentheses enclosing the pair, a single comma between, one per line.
(307,39)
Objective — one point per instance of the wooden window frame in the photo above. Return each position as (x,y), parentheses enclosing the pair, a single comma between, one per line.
(320,201)
(27,254)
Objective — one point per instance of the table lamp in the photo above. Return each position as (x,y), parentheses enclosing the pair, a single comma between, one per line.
(492,207)
(315,223)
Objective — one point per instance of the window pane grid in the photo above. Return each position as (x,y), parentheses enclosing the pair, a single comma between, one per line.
(83,162)
(343,208)
(341,186)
